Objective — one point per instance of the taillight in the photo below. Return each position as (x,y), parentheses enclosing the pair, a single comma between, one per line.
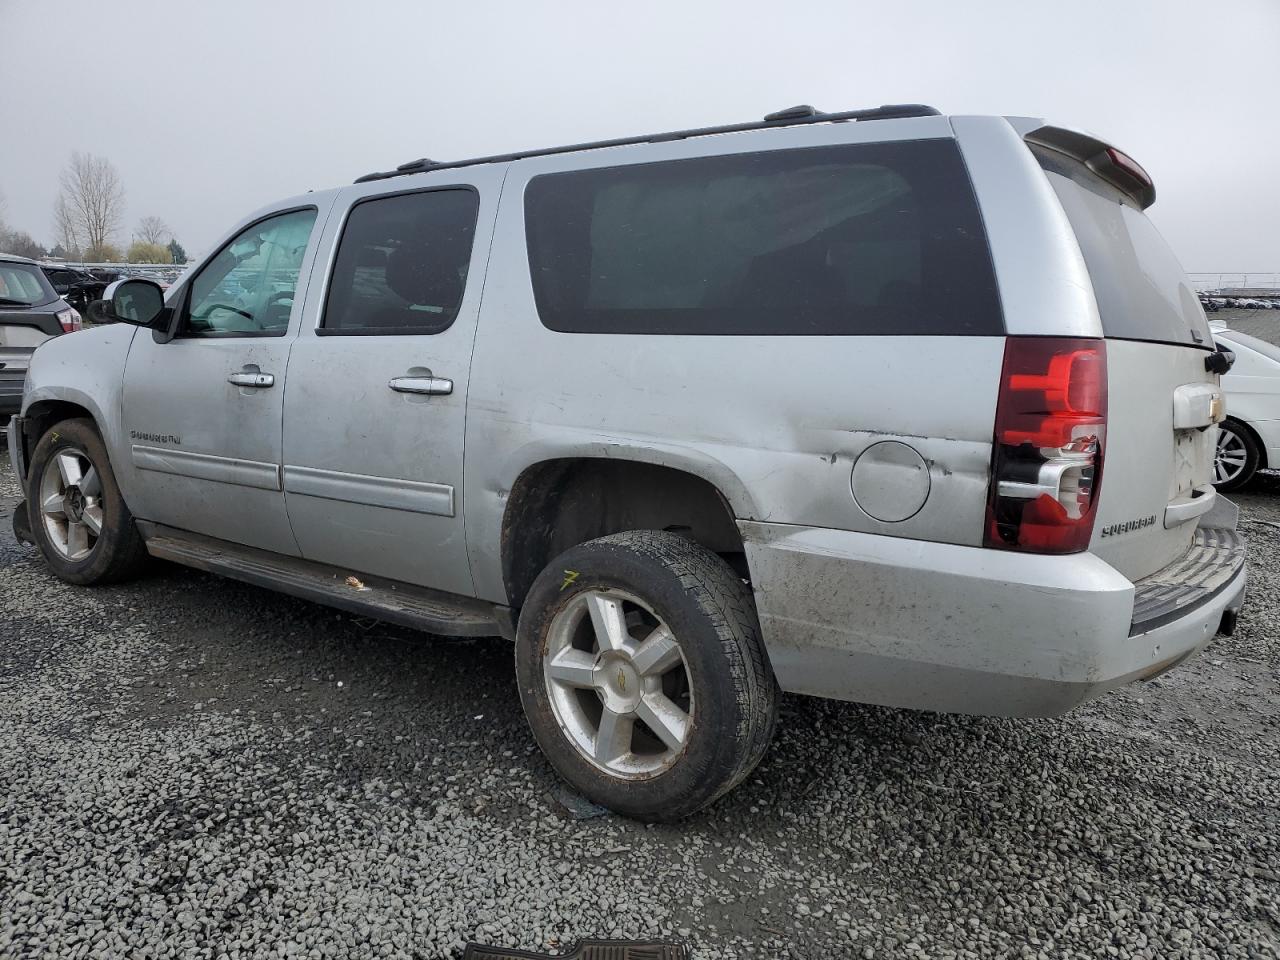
(70,320)
(1046,461)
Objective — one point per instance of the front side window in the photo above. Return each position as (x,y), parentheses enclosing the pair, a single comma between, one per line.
(247,289)
(859,239)
(402,264)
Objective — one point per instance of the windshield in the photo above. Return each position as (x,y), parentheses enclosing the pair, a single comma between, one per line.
(24,284)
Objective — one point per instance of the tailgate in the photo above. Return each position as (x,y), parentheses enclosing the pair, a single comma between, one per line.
(1158,463)
(1163,403)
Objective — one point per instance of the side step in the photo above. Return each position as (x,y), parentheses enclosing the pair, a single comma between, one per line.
(402,603)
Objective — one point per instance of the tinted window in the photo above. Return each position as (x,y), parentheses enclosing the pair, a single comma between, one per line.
(402,264)
(247,288)
(1142,291)
(873,239)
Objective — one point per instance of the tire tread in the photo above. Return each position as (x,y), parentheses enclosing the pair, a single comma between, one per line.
(727,603)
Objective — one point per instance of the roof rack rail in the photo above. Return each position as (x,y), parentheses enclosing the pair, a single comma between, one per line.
(792,116)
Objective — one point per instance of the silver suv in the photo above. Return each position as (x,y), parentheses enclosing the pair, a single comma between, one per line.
(882,405)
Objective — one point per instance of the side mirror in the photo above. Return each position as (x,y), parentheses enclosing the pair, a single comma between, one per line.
(139,302)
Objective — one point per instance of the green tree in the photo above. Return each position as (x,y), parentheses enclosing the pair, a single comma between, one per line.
(176,252)
(103,253)
(143,252)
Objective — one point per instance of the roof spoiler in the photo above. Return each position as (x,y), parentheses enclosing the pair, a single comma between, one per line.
(1112,165)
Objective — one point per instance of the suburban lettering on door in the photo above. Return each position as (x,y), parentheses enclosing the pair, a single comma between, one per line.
(155,437)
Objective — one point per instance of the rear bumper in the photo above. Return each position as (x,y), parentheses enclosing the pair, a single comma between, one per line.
(957,629)
(10,394)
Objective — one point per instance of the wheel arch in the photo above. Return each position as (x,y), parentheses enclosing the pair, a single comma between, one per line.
(41,414)
(557,503)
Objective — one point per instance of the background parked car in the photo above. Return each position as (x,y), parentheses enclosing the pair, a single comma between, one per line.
(30,313)
(78,287)
(1249,439)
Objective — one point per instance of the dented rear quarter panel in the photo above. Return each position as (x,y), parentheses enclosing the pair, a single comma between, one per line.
(775,423)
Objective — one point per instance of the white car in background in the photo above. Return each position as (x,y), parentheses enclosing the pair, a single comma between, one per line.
(1249,439)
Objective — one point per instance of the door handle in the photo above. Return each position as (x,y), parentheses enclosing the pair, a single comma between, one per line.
(427,385)
(252,379)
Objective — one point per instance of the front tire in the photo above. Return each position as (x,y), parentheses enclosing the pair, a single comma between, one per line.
(1236,457)
(643,673)
(78,517)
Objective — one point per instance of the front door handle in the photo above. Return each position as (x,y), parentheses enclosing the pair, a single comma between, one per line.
(428,385)
(252,379)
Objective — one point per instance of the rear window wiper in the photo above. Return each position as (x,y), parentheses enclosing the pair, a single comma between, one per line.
(9,302)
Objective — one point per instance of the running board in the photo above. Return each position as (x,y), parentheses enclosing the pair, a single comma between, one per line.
(402,603)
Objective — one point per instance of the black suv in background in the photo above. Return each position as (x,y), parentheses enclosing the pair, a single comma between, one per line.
(30,313)
(78,287)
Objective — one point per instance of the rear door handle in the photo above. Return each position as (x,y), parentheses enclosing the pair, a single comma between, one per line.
(252,379)
(427,385)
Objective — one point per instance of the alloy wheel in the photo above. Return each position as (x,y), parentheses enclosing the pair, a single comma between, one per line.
(619,684)
(1231,456)
(71,503)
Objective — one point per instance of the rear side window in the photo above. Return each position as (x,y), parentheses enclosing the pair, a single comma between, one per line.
(1141,289)
(402,264)
(864,239)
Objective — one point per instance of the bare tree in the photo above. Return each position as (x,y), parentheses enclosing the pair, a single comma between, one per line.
(90,205)
(153,230)
(17,242)
(65,233)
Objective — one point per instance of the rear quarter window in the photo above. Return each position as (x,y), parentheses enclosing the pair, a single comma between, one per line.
(863,239)
(1141,289)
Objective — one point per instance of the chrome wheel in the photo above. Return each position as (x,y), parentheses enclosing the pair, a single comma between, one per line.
(618,684)
(1231,456)
(71,503)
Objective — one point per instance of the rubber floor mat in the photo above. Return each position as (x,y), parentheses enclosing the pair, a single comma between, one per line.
(587,950)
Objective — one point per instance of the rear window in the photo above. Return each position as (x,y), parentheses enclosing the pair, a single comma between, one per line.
(1142,291)
(864,239)
(24,285)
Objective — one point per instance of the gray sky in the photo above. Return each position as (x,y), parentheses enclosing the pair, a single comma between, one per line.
(211,110)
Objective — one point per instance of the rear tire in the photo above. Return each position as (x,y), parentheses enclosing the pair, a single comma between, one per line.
(1236,457)
(78,517)
(676,705)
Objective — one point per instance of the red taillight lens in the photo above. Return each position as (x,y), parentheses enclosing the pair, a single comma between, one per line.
(1046,462)
(1129,165)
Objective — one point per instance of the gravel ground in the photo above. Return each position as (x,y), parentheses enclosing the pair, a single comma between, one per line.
(190,767)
